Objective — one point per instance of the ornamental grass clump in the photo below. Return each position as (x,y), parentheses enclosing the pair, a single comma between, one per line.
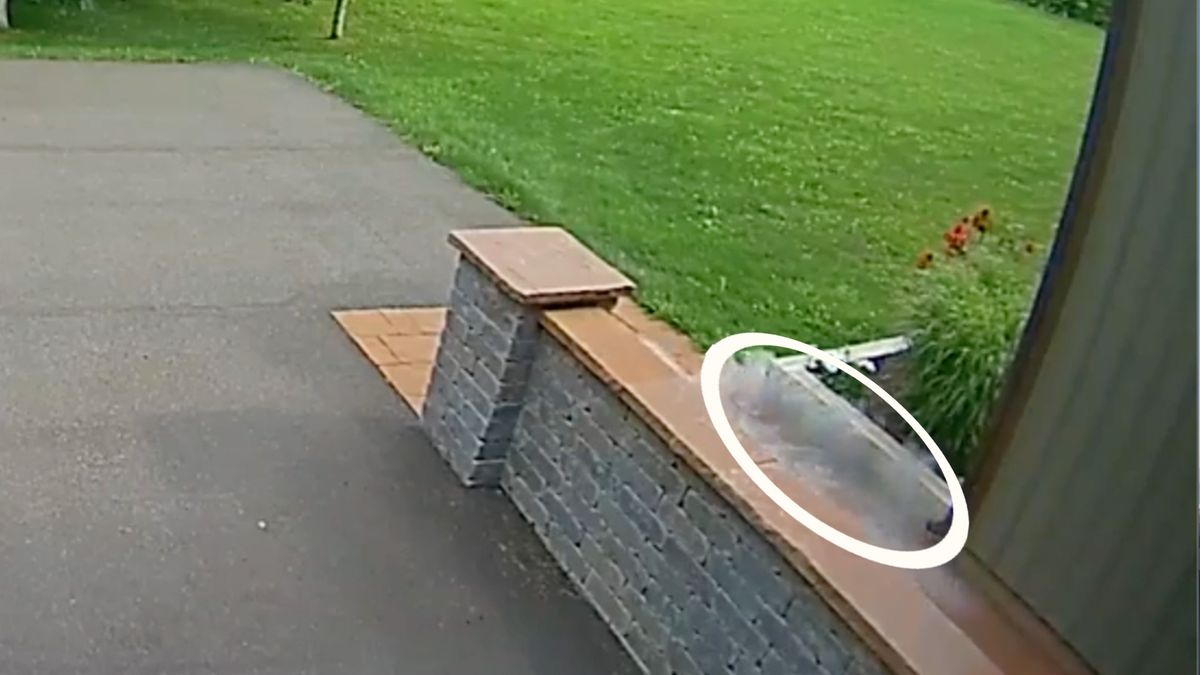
(964,320)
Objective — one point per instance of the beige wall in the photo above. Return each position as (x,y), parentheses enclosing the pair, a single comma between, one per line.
(1088,512)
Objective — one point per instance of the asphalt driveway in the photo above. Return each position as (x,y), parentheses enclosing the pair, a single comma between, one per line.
(198,472)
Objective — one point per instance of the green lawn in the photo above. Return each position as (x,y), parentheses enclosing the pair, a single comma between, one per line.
(768,165)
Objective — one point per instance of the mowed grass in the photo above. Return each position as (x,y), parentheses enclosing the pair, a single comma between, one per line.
(770,165)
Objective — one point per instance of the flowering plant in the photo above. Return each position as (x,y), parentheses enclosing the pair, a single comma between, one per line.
(963,323)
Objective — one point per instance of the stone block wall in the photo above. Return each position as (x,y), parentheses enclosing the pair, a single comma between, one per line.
(684,581)
(479,375)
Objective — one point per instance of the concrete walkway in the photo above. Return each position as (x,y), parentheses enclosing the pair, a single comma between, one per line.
(172,239)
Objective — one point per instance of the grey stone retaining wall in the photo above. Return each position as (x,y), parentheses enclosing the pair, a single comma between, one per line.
(685,582)
(479,375)
(683,579)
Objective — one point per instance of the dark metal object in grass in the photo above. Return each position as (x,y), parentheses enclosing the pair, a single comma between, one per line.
(339,19)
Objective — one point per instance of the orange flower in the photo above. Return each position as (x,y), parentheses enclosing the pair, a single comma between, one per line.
(957,237)
(982,219)
(925,259)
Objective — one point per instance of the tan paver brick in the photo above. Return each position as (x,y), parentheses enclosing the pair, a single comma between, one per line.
(401,342)
(565,272)
(412,348)
(363,322)
(415,320)
(410,380)
(375,350)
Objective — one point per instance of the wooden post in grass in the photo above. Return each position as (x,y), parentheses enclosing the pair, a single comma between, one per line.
(339,19)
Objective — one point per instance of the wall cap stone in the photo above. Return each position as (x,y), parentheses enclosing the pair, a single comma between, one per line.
(915,622)
(541,266)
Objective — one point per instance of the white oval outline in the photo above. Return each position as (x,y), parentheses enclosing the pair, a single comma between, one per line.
(710,375)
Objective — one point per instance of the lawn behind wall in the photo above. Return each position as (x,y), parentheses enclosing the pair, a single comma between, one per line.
(770,165)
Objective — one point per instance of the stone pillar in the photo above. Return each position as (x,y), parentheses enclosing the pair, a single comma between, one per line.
(505,277)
